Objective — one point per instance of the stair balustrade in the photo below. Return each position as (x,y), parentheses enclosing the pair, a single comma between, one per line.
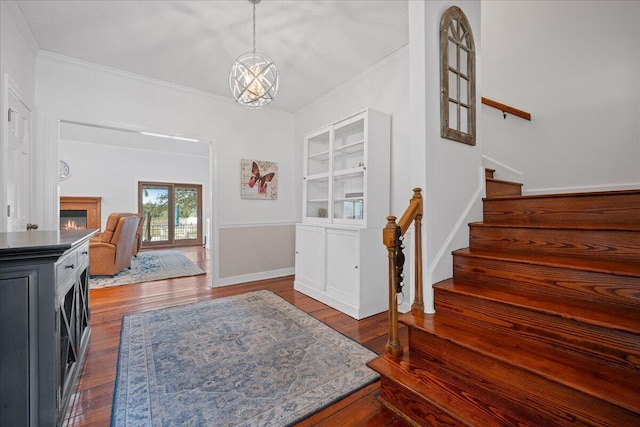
(392,236)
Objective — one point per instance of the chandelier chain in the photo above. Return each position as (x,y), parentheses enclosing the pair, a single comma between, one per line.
(254,28)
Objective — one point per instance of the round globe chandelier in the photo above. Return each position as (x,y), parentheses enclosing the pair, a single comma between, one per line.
(253,78)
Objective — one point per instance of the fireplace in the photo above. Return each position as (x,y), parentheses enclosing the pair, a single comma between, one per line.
(73,220)
(80,212)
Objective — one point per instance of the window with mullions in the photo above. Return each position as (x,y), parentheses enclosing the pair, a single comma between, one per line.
(457,78)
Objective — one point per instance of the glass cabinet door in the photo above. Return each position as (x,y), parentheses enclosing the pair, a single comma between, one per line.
(317,175)
(348,196)
(348,171)
(318,153)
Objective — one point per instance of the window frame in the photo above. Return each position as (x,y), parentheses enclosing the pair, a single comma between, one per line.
(171,240)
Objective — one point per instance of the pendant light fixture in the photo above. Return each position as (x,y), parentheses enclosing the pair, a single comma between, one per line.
(253,78)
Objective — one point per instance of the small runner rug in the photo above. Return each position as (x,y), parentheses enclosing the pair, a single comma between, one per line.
(246,360)
(149,266)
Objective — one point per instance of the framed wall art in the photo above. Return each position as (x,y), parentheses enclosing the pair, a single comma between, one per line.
(258,179)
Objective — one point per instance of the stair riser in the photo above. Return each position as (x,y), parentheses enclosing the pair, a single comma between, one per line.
(612,209)
(613,245)
(616,347)
(415,408)
(546,280)
(467,400)
(558,404)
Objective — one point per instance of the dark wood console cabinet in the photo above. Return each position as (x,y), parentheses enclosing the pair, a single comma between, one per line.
(44,323)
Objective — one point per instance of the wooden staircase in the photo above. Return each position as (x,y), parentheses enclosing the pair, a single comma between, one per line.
(540,324)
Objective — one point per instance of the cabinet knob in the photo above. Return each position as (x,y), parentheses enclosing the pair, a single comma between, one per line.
(85,252)
(356,266)
(297,252)
(70,266)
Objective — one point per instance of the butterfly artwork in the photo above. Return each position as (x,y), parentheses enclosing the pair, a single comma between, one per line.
(259,179)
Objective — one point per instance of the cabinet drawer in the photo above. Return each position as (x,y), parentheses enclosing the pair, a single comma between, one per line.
(66,268)
(83,254)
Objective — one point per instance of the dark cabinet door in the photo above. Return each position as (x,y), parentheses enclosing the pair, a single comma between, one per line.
(17,336)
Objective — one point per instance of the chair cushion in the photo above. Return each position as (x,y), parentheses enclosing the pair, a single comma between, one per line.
(110,227)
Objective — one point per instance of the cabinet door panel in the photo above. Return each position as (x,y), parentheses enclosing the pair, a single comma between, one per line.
(343,269)
(310,256)
(14,351)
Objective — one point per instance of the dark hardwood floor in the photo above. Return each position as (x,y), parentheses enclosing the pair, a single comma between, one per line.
(91,404)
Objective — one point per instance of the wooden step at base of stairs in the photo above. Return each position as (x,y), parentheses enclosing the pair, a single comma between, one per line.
(599,208)
(523,316)
(458,343)
(430,396)
(597,282)
(499,188)
(614,243)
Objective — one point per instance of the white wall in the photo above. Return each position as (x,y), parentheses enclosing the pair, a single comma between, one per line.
(74,90)
(407,85)
(113,172)
(575,66)
(383,87)
(451,177)
(17,60)
(17,54)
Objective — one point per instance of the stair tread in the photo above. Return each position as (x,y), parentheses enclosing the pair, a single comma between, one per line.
(502,181)
(596,266)
(561,226)
(612,383)
(490,396)
(577,194)
(609,316)
(454,394)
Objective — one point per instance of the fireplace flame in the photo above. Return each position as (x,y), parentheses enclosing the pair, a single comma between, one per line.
(71,225)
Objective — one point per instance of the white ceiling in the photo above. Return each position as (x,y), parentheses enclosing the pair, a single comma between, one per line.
(317,45)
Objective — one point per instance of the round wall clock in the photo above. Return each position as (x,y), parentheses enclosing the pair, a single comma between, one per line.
(65,170)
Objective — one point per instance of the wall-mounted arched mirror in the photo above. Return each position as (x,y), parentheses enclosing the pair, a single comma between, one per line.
(457,78)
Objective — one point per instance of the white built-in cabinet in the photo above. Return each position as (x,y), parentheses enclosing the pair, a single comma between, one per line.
(340,258)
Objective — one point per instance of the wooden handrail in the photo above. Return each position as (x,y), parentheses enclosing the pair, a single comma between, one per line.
(391,237)
(506,109)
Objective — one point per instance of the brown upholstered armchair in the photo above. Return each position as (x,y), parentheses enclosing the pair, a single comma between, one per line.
(137,241)
(110,251)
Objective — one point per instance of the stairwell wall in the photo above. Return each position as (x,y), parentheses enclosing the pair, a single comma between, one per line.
(451,177)
(575,66)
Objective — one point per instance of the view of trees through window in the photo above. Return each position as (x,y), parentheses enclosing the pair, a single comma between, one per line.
(171,213)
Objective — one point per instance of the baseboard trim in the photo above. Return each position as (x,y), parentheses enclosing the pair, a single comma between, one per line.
(252,277)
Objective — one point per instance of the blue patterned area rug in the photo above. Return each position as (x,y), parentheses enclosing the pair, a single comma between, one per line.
(149,266)
(246,360)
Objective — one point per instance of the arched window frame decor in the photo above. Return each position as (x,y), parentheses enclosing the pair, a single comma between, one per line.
(457,77)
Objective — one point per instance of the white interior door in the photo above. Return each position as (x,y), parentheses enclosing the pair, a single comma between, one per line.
(17,163)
